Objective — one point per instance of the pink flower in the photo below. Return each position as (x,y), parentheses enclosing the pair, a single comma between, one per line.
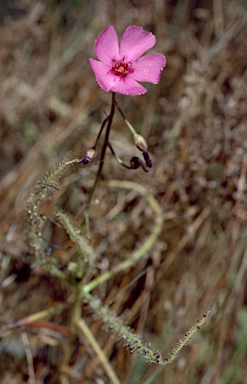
(121,67)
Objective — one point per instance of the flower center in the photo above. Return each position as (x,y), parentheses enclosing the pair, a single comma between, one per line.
(122,68)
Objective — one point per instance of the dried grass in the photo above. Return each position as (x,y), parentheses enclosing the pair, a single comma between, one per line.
(195,124)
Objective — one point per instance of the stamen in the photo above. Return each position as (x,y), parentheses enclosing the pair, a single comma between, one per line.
(121,68)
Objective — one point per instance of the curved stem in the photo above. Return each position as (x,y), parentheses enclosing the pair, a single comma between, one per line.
(144,248)
(120,161)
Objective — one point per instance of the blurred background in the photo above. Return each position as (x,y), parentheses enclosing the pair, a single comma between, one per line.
(194,121)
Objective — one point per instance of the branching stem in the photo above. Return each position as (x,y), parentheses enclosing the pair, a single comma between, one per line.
(102,155)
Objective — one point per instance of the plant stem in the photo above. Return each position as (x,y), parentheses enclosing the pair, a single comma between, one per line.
(144,248)
(101,130)
(126,121)
(102,155)
(120,161)
(102,357)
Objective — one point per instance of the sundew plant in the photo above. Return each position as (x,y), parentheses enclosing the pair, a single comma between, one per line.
(119,69)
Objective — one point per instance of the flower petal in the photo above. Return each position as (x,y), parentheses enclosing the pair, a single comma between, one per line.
(135,41)
(106,45)
(108,81)
(148,68)
(102,74)
(127,86)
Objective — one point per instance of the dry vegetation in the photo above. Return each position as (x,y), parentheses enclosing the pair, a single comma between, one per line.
(195,125)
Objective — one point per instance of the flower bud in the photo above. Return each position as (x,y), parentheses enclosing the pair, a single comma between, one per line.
(140,142)
(91,152)
(135,163)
